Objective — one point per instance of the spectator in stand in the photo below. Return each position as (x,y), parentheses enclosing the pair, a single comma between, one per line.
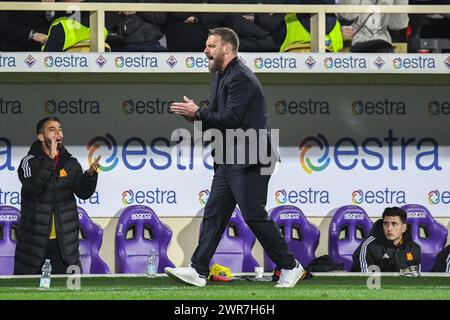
(24,30)
(371,30)
(141,30)
(254,30)
(188,31)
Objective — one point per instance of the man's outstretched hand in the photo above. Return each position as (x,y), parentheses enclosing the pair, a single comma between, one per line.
(94,167)
(186,109)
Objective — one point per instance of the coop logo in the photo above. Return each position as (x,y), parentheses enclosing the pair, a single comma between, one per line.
(10,106)
(96,143)
(141,216)
(419,62)
(66,61)
(76,106)
(7,61)
(203,197)
(155,106)
(275,63)
(323,161)
(372,153)
(345,63)
(9,217)
(447,62)
(416,214)
(196,62)
(303,107)
(379,107)
(306,196)
(353,216)
(155,196)
(386,196)
(141,61)
(438,197)
(280,197)
(436,108)
(289,216)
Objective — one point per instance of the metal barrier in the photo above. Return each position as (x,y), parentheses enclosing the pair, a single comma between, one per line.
(97,13)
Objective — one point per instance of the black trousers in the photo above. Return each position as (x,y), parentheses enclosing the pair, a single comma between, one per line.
(53,252)
(246,187)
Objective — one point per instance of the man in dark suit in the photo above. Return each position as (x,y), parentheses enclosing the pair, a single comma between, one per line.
(237,106)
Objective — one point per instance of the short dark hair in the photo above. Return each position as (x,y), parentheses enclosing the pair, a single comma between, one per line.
(395,212)
(227,35)
(40,125)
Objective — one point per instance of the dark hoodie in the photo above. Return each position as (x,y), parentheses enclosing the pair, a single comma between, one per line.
(45,191)
(379,251)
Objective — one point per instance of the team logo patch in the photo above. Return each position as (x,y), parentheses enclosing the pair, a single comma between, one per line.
(62,173)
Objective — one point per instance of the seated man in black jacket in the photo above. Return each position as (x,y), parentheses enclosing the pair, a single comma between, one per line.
(389,246)
(442,262)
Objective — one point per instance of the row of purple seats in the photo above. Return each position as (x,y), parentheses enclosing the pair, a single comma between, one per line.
(139,230)
(91,237)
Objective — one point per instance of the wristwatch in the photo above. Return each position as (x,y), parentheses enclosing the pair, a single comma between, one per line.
(197,114)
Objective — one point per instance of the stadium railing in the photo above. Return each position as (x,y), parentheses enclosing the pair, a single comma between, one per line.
(97,13)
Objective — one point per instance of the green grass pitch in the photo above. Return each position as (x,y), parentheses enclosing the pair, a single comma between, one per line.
(163,288)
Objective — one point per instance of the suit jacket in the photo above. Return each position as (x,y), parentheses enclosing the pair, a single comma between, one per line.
(237,102)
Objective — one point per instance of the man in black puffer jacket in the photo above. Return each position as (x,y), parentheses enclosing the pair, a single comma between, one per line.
(49,225)
(389,246)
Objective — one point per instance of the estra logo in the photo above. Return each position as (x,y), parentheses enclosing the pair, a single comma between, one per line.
(5,155)
(345,63)
(7,61)
(66,61)
(438,197)
(436,108)
(79,106)
(275,63)
(386,196)
(151,106)
(384,107)
(9,197)
(148,62)
(158,154)
(303,107)
(419,62)
(196,62)
(308,196)
(203,197)
(10,106)
(154,196)
(372,153)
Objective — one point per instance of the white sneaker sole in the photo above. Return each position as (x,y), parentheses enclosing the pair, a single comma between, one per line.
(170,272)
(300,277)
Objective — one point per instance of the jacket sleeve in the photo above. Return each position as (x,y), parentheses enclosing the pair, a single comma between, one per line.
(364,257)
(35,174)
(240,92)
(84,185)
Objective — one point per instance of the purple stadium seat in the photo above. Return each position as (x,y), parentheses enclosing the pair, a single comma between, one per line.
(138,231)
(235,247)
(429,234)
(91,237)
(301,236)
(349,226)
(9,224)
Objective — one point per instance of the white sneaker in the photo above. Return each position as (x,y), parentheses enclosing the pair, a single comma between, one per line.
(288,278)
(187,275)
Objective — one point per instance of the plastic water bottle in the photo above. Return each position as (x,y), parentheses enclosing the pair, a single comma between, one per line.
(45,276)
(151,264)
